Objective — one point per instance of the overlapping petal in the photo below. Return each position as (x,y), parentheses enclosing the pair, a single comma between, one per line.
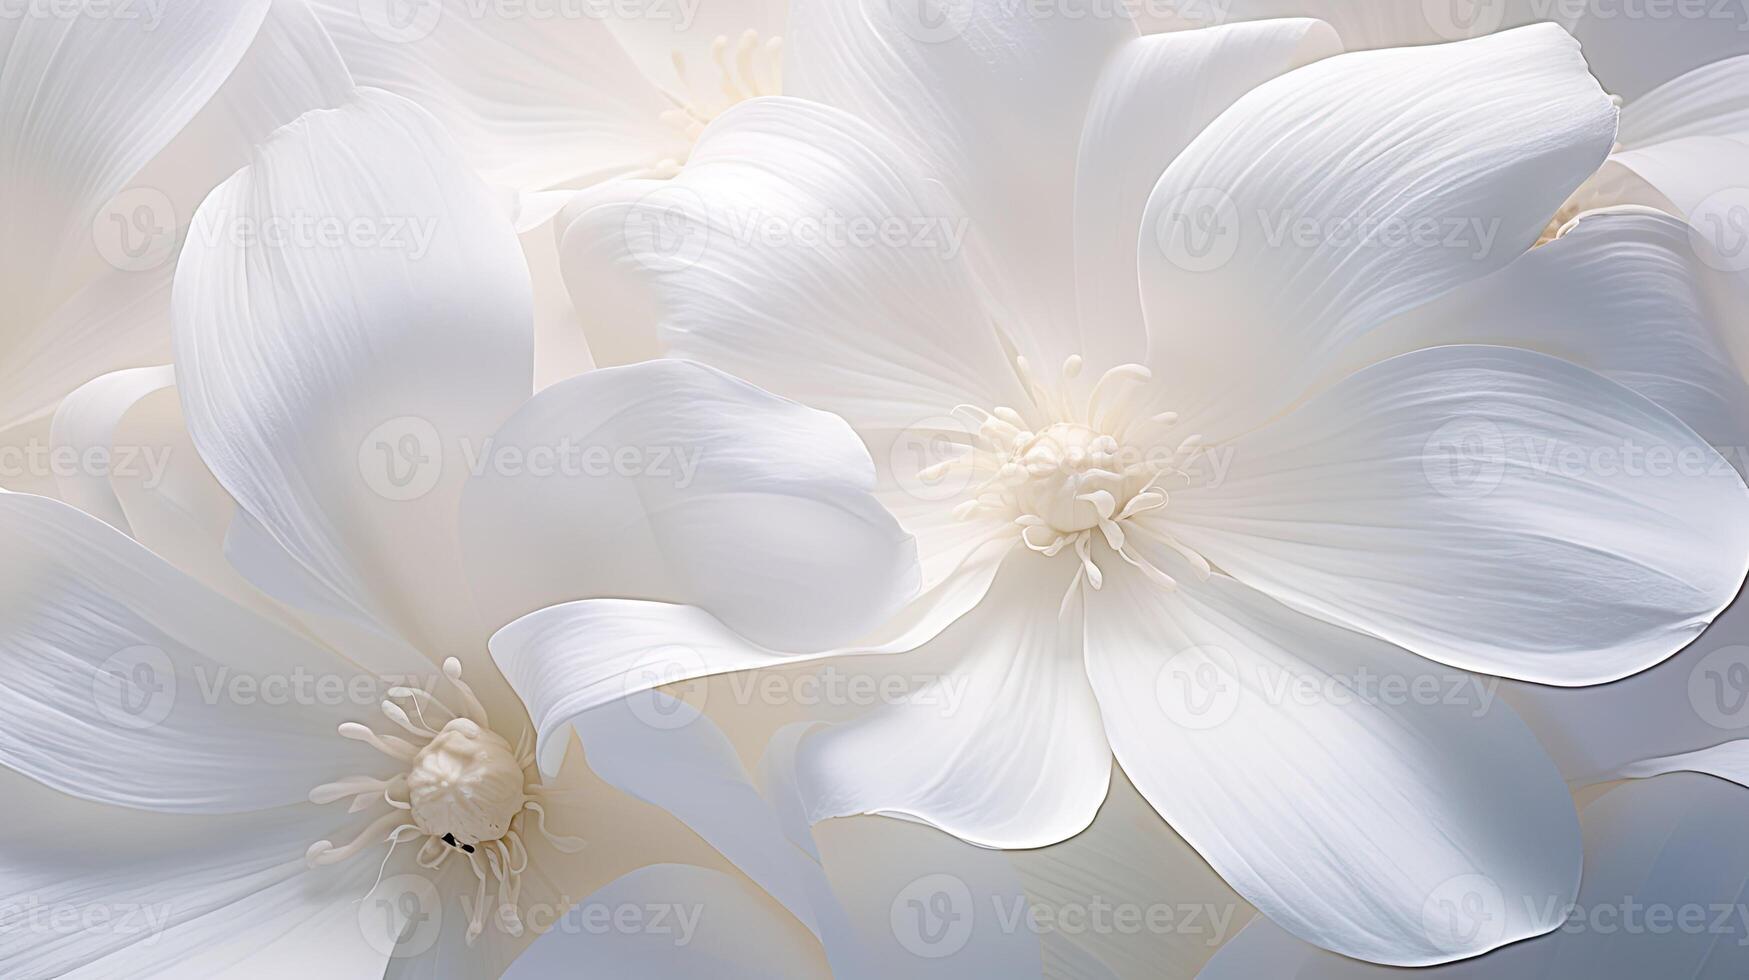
(1291,754)
(1491,508)
(343,338)
(1334,197)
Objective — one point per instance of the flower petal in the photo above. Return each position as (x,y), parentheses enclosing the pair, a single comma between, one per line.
(133,685)
(336,370)
(533,101)
(704,489)
(1622,293)
(792,278)
(84,426)
(96,890)
(1131,859)
(997,733)
(723,928)
(995,95)
(925,905)
(1331,778)
(667,753)
(1670,847)
(568,659)
(760,270)
(1154,96)
(1338,195)
(119,315)
(1493,509)
(75,139)
(1689,712)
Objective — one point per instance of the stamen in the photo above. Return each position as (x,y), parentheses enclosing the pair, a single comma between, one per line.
(471,706)
(394,713)
(323,852)
(566,845)
(389,745)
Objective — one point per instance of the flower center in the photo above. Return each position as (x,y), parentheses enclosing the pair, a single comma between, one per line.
(746,68)
(466,784)
(1073,468)
(464,791)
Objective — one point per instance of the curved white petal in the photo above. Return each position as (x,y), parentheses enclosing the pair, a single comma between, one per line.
(781,275)
(534,101)
(1344,787)
(1622,293)
(352,318)
(716,926)
(100,891)
(995,729)
(74,139)
(1494,509)
(129,683)
(995,94)
(1336,196)
(568,659)
(667,753)
(1665,871)
(1131,891)
(120,319)
(1683,147)
(1689,712)
(119,316)
(1154,95)
(84,429)
(1712,100)
(837,278)
(704,490)
(922,904)
(1727,761)
(561,348)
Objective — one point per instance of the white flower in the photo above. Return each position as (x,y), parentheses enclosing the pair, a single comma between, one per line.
(85,285)
(1240,495)
(1682,71)
(125,117)
(1665,866)
(360,400)
(564,94)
